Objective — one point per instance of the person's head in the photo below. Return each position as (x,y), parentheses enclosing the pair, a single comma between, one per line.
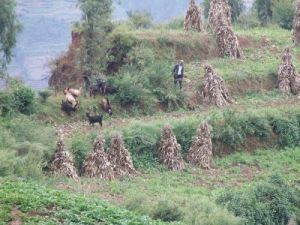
(181,62)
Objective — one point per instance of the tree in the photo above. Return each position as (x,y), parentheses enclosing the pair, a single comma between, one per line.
(264,10)
(237,7)
(95,24)
(9,27)
(283,13)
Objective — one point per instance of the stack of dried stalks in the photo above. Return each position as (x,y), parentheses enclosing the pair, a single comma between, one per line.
(220,22)
(214,90)
(219,8)
(120,157)
(288,78)
(97,164)
(169,151)
(296,25)
(193,17)
(62,163)
(200,153)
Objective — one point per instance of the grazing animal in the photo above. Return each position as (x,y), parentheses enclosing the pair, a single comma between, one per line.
(75,92)
(68,108)
(105,106)
(94,90)
(102,87)
(70,98)
(94,119)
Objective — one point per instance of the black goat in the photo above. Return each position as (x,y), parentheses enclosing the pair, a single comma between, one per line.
(68,108)
(94,119)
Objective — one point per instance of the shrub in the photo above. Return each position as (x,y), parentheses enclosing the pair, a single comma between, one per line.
(283,13)
(131,91)
(271,202)
(287,131)
(80,147)
(140,19)
(167,212)
(248,21)
(7,105)
(176,24)
(44,95)
(24,99)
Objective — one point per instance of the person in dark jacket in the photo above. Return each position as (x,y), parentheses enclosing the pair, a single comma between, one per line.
(178,73)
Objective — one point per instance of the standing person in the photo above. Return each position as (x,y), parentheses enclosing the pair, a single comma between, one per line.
(178,73)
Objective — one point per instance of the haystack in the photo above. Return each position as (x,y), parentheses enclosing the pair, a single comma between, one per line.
(97,164)
(120,157)
(62,163)
(200,153)
(288,79)
(227,42)
(214,90)
(219,8)
(193,17)
(169,151)
(296,25)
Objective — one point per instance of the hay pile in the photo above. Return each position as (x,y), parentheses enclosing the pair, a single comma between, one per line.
(169,151)
(214,91)
(288,79)
(219,8)
(296,25)
(62,163)
(220,22)
(120,157)
(200,153)
(193,17)
(97,164)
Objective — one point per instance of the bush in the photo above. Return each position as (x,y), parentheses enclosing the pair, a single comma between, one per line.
(167,212)
(248,21)
(271,202)
(24,98)
(283,13)
(287,131)
(176,24)
(140,19)
(44,95)
(7,104)
(80,147)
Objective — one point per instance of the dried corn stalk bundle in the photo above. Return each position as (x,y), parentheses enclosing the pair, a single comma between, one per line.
(214,90)
(200,153)
(120,157)
(228,44)
(219,8)
(169,151)
(97,164)
(296,25)
(288,79)
(62,163)
(193,17)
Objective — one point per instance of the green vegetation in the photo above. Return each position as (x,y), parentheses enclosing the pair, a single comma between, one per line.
(39,205)
(9,27)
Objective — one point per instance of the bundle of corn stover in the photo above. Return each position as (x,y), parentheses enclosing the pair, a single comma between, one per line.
(193,18)
(214,90)
(97,163)
(62,163)
(170,151)
(220,22)
(200,153)
(120,158)
(288,78)
(296,24)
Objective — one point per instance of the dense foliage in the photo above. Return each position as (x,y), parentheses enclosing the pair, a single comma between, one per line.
(264,10)
(283,13)
(9,27)
(271,202)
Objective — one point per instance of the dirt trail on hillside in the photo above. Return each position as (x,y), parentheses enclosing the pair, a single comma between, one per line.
(15,214)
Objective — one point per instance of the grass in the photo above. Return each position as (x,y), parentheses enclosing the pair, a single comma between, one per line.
(194,191)
(39,205)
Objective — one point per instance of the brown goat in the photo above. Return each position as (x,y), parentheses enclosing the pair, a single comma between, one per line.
(105,106)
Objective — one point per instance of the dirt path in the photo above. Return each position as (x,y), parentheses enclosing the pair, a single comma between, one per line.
(15,214)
